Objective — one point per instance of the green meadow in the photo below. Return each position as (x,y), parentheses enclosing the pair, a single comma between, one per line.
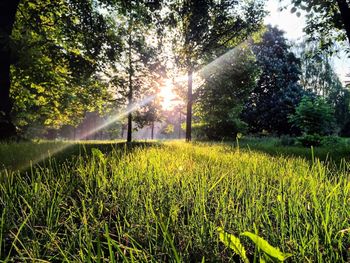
(164,202)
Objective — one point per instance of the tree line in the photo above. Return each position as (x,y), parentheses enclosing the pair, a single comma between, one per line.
(62,59)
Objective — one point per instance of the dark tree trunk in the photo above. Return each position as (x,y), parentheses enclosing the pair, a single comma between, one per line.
(7,19)
(189,107)
(179,124)
(122,132)
(129,132)
(345,15)
(130,95)
(152,131)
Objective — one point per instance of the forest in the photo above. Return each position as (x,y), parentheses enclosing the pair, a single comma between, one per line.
(174,131)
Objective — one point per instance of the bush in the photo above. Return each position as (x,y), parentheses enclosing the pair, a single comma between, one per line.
(287,141)
(308,140)
(314,116)
(331,141)
(317,140)
(223,130)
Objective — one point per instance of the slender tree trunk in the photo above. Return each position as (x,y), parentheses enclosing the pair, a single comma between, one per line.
(189,107)
(180,124)
(122,132)
(130,95)
(152,131)
(345,15)
(7,19)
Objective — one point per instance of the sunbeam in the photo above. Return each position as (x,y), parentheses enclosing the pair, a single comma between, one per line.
(211,67)
(205,71)
(88,133)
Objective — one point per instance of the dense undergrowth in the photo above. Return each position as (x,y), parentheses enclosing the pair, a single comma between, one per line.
(165,202)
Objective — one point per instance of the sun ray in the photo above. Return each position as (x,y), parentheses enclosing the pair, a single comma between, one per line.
(110,121)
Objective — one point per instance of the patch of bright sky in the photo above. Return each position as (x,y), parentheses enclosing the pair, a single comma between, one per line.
(293,26)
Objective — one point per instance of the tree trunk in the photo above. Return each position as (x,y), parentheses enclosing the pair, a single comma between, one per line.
(152,131)
(130,95)
(7,19)
(180,124)
(122,132)
(189,107)
(345,15)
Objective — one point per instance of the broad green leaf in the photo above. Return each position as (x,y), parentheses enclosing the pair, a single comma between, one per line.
(266,247)
(233,242)
(97,153)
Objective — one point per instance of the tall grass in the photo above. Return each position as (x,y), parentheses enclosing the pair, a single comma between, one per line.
(165,203)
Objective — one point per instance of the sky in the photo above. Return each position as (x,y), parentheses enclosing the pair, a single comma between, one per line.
(293,27)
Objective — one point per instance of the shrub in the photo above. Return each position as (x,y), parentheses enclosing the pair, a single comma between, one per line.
(314,116)
(308,140)
(331,141)
(287,141)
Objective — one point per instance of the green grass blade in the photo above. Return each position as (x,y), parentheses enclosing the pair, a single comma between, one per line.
(234,243)
(266,247)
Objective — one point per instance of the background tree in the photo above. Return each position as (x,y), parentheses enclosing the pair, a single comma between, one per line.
(203,27)
(139,66)
(69,41)
(277,91)
(319,77)
(148,115)
(314,116)
(227,86)
(327,20)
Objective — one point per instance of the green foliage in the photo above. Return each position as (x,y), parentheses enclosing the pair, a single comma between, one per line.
(234,243)
(169,129)
(287,140)
(314,116)
(59,46)
(207,27)
(319,77)
(324,21)
(271,254)
(262,244)
(227,85)
(308,140)
(277,91)
(332,141)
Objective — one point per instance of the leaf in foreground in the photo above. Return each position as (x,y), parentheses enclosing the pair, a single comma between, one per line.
(266,247)
(234,243)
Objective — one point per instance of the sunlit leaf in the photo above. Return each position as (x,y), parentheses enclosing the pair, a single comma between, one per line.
(232,242)
(266,247)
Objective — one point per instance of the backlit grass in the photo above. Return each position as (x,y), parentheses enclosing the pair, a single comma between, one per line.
(164,202)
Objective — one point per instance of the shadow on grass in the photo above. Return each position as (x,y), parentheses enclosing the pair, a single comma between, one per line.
(329,155)
(22,156)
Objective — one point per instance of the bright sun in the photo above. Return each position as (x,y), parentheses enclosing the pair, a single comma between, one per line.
(169,98)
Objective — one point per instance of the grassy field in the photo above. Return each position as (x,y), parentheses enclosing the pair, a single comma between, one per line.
(163,202)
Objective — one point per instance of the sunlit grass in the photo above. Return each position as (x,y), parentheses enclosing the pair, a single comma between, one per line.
(164,202)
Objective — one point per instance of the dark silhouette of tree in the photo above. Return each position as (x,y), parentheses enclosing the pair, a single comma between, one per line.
(277,91)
